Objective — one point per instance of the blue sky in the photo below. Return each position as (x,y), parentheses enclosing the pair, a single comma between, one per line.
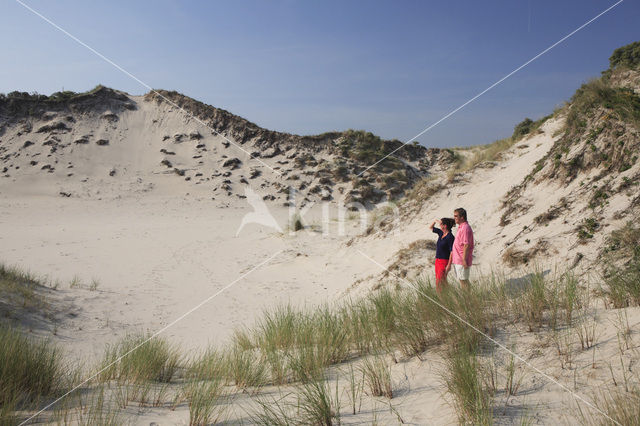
(390,67)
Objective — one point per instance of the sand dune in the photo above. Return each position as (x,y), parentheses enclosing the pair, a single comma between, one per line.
(134,212)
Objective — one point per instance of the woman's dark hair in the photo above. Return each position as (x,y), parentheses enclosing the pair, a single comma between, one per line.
(449,222)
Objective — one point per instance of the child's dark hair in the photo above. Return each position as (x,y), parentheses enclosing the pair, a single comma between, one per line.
(449,222)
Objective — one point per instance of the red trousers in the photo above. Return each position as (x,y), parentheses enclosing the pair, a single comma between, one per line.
(441,265)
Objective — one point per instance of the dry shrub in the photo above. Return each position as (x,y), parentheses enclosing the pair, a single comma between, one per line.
(553,212)
(513,209)
(424,189)
(515,257)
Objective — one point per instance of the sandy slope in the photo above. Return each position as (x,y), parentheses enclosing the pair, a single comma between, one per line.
(155,258)
(156,249)
(482,191)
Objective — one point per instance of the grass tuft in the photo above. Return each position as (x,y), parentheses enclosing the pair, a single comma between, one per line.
(29,369)
(463,381)
(621,266)
(318,404)
(245,368)
(377,376)
(204,401)
(211,365)
(135,358)
(95,409)
(621,406)
(272,412)
(19,288)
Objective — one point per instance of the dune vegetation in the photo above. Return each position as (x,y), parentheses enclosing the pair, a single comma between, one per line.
(325,360)
(498,339)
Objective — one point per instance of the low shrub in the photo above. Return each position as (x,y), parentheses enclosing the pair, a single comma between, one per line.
(626,56)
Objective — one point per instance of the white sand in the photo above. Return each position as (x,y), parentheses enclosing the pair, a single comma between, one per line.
(155,258)
(157,247)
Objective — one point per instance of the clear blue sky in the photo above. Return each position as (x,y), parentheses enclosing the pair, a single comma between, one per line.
(307,67)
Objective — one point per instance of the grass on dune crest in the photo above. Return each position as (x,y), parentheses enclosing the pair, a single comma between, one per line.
(494,151)
(623,102)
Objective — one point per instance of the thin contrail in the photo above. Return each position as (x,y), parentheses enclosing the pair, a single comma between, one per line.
(493,85)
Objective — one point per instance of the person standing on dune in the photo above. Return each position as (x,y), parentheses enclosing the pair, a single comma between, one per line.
(443,249)
(462,252)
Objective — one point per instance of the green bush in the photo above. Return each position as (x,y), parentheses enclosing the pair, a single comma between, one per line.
(588,227)
(626,56)
(522,128)
(623,102)
(367,148)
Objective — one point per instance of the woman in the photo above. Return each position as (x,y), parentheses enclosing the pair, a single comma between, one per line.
(443,249)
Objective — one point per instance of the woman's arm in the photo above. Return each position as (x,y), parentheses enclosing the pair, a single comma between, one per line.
(435,230)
